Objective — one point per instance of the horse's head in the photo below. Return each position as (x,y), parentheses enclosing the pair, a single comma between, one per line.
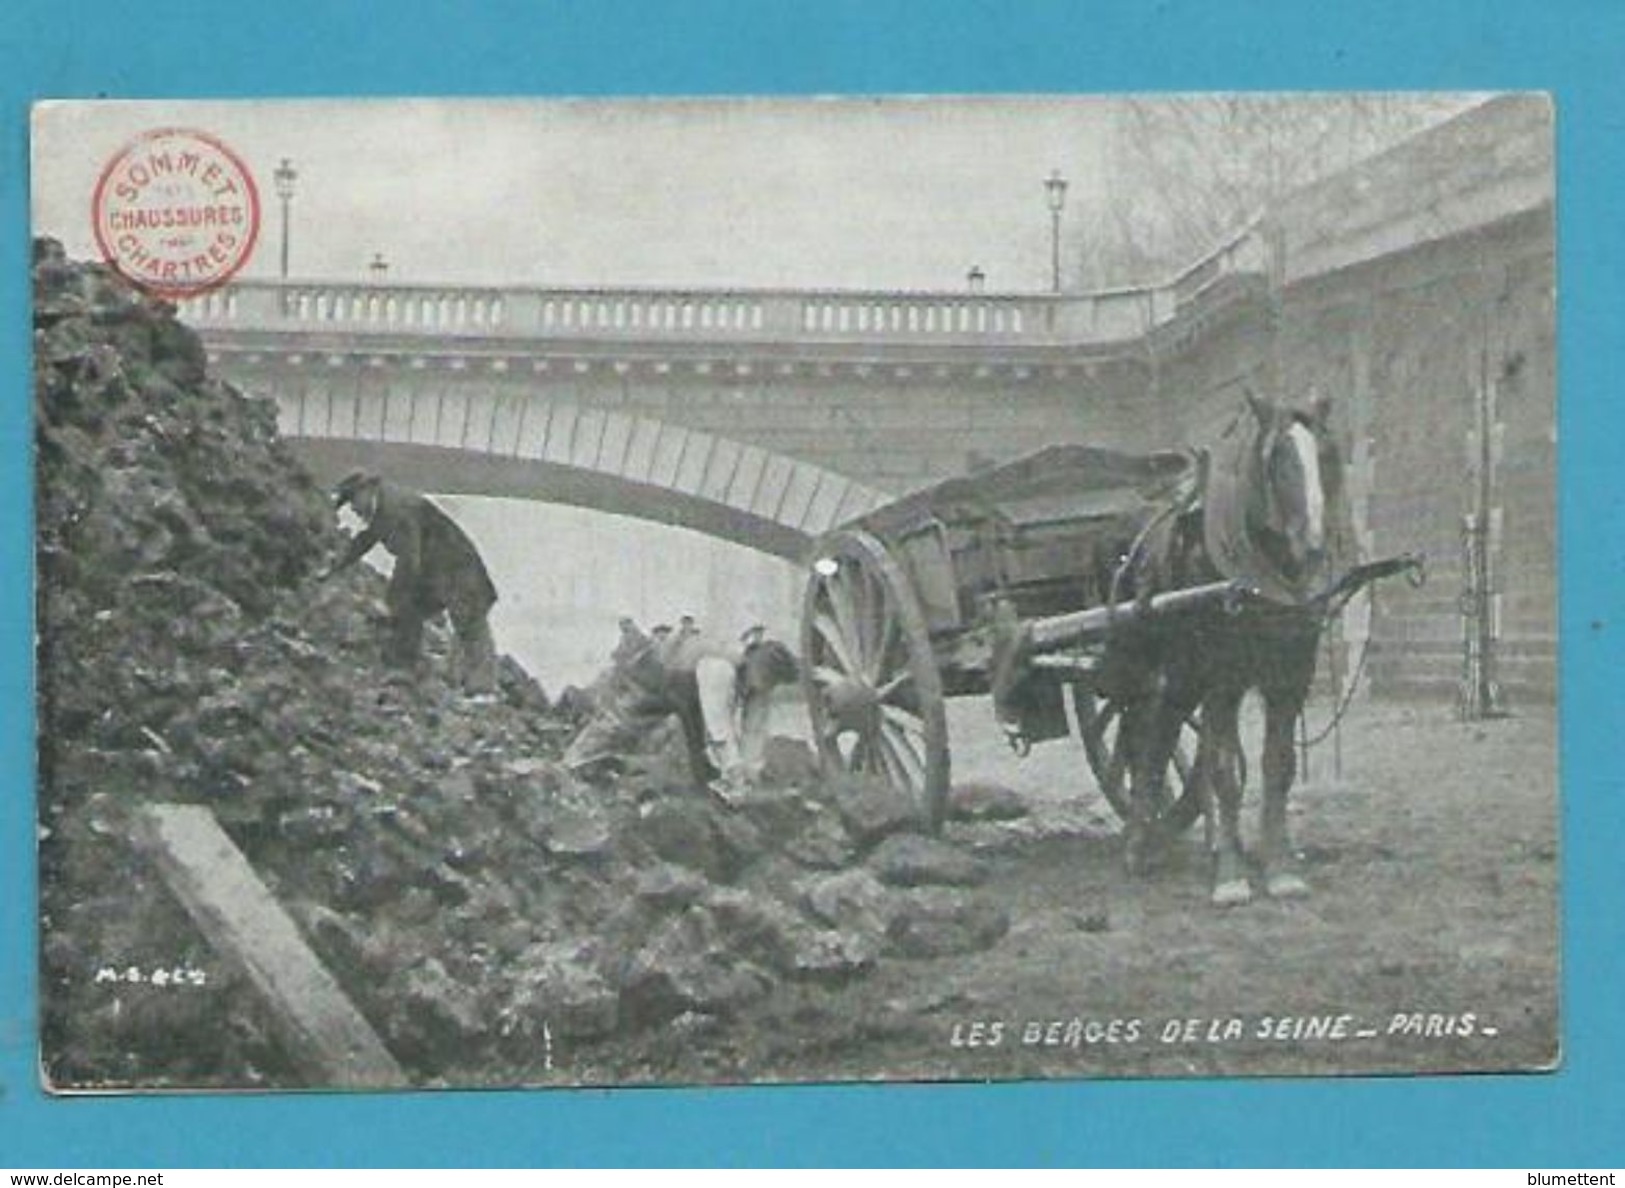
(1299,474)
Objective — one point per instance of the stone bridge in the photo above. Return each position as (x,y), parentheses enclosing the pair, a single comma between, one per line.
(1415,288)
(764,417)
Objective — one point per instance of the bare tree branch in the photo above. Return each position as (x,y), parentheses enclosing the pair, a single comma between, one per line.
(1188,170)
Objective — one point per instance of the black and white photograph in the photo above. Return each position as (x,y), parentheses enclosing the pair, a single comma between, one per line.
(625,592)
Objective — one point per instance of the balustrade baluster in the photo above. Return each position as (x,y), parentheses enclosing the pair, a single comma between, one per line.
(782,314)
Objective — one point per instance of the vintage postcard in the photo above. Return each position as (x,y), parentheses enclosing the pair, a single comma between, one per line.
(546,593)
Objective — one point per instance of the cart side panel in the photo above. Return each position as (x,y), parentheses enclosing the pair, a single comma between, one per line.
(1040,530)
(926,556)
(1045,568)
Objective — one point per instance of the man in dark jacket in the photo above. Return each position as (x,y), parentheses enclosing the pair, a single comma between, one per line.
(437,568)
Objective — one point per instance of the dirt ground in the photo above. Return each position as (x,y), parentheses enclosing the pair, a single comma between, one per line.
(1429,944)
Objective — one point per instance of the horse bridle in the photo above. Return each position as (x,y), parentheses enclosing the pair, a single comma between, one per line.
(1264,458)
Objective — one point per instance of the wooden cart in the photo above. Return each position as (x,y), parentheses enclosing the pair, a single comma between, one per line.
(909,605)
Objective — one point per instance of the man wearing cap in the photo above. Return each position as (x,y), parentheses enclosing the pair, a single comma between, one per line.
(437,568)
(719,691)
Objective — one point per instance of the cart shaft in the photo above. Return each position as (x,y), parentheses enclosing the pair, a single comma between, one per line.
(1086,625)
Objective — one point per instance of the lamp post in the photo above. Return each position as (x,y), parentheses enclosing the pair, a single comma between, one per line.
(1055,195)
(284,177)
(378,268)
(975,278)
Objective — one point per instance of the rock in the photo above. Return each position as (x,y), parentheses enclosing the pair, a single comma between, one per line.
(739,842)
(831,956)
(562,988)
(871,808)
(528,765)
(853,901)
(822,843)
(458,785)
(678,829)
(788,763)
(440,1012)
(692,1026)
(777,812)
(909,860)
(665,887)
(519,689)
(343,945)
(984,802)
(761,928)
(576,834)
(554,809)
(684,968)
(939,922)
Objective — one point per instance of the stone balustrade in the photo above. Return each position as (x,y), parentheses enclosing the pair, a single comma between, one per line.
(718,314)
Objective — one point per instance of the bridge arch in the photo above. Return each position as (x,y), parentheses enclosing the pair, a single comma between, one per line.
(530,446)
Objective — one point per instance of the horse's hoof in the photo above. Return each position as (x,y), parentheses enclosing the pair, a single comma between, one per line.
(1232,894)
(1286,885)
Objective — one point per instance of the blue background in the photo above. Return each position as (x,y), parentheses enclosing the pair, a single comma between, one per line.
(162,48)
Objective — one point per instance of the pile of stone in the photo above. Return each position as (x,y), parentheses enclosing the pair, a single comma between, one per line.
(476,900)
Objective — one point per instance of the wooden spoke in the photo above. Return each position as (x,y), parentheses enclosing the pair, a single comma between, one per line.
(840,625)
(825,675)
(883,649)
(903,747)
(888,690)
(865,632)
(830,632)
(878,623)
(897,772)
(861,597)
(1105,731)
(912,723)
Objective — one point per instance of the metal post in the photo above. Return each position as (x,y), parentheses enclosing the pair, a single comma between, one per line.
(284,271)
(1055,196)
(1055,250)
(284,176)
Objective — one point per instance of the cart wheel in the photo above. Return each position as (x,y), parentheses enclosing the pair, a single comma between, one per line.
(1100,726)
(871,681)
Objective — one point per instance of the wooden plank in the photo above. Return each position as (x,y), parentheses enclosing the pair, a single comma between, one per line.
(246,925)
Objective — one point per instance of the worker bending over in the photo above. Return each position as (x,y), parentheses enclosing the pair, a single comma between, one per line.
(437,568)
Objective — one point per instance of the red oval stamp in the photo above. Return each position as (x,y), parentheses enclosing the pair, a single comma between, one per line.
(176,212)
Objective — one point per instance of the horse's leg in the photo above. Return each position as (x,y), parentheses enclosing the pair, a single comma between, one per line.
(1208,752)
(1134,728)
(1141,727)
(1177,699)
(1220,723)
(1281,710)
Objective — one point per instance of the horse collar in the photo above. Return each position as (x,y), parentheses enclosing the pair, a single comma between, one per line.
(1235,475)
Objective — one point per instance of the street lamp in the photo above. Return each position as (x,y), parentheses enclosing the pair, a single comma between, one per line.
(1055,195)
(378,268)
(284,177)
(975,278)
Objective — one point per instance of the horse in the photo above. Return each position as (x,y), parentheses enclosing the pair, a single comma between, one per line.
(1267,513)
